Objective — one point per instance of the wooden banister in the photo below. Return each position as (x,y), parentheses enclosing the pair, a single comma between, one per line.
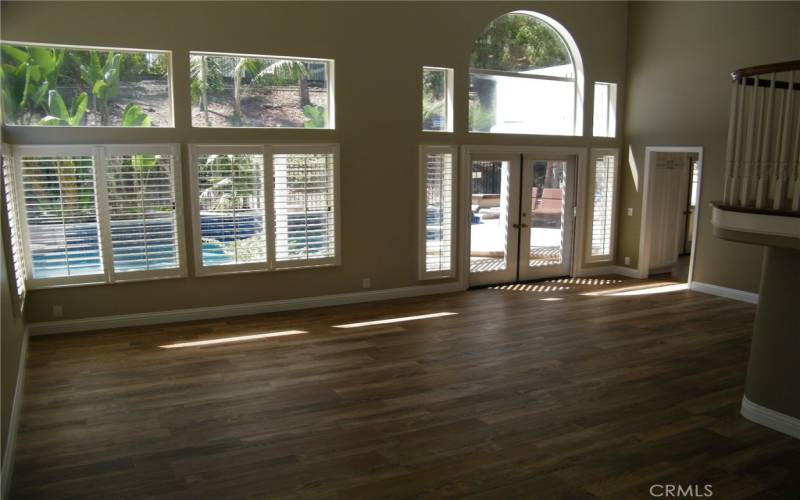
(765,69)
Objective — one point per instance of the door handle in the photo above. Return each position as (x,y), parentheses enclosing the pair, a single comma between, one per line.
(517,226)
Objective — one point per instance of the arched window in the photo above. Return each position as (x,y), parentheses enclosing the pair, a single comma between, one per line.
(526,77)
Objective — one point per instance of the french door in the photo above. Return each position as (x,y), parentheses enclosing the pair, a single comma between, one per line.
(522,216)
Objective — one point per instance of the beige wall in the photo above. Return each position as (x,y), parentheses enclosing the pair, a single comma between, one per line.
(11,336)
(679,59)
(379,49)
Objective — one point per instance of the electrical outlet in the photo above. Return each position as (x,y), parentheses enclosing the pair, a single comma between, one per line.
(58,311)
(630,212)
(627,261)
(366,283)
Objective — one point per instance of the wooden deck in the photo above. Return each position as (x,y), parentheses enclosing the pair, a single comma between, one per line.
(544,390)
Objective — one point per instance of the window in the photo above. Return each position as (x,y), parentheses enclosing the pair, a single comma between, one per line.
(239,90)
(437,99)
(15,241)
(526,77)
(257,215)
(231,207)
(99,214)
(304,184)
(142,210)
(605,110)
(437,244)
(603,187)
(82,86)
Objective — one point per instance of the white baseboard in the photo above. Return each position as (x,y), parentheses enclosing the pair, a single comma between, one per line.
(13,424)
(178,315)
(721,291)
(770,418)
(628,272)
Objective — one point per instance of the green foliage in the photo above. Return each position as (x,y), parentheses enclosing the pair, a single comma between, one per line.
(60,115)
(102,78)
(28,74)
(134,117)
(315,116)
(518,42)
(480,120)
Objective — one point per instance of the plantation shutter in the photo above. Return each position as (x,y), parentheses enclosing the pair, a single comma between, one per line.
(142,212)
(304,194)
(17,255)
(61,215)
(604,182)
(231,209)
(437,210)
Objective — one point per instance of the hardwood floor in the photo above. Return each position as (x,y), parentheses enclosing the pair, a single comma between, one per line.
(533,391)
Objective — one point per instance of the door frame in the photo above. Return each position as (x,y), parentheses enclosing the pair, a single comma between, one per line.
(647,190)
(581,155)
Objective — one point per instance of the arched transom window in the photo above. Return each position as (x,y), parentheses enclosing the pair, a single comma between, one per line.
(526,77)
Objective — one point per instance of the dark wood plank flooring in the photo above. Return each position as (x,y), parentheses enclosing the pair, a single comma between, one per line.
(584,396)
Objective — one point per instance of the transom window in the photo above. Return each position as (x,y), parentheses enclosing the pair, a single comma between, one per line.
(526,77)
(241,90)
(46,85)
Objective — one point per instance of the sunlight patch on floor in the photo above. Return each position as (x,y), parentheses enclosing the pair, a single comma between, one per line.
(228,340)
(395,320)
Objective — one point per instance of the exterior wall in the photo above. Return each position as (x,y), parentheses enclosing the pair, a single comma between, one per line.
(379,49)
(679,59)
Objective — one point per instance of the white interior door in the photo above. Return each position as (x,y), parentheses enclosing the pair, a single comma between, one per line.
(494,218)
(547,216)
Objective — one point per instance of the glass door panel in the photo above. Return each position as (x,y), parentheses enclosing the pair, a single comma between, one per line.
(548,199)
(494,219)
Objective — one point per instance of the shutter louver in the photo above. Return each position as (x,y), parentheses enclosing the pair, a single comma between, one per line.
(603,205)
(61,215)
(438,212)
(17,256)
(232,208)
(142,212)
(304,204)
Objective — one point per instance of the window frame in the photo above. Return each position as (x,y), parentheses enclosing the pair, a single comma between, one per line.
(330,64)
(170,83)
(13,239)
(424,151)
(332,149)
(267,150)
(448,89)
(98,152)
(594,154)
(611,109)
(579,99)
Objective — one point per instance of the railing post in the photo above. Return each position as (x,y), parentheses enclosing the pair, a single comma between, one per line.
(752,128)
(785,145)
(730,149)
(766,149)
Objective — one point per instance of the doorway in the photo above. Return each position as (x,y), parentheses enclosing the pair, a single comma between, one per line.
(670,211)
(522,216)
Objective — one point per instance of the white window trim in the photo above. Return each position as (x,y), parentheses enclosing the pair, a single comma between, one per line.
(423,274)
(98,152)
(448,85)
(10,207)
(594,154)
(611,109)
(170,81)
(267,150)
(330,123)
